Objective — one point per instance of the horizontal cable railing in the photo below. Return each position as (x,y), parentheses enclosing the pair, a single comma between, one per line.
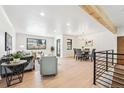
(105,70)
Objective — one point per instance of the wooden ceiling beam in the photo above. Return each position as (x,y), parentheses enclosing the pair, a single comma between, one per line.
(97,13)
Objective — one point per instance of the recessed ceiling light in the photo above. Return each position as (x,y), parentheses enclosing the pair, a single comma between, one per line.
(68,24)
(42,14)
(55,31)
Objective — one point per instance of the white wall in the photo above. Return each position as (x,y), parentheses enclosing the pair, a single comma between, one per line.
(120,31)
(5,26)
(102,38)
(69,53)
(21,40)
(103,41)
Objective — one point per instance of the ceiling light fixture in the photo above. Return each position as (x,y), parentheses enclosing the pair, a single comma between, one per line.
(42,14)
(55,31)
(68,24)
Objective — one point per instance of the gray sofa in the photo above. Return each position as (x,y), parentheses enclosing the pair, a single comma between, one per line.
(48,65)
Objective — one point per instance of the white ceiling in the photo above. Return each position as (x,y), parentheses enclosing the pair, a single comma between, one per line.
(27,19)
(115,13)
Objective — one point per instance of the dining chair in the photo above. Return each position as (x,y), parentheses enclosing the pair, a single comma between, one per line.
(92,54)
(74,52)
(78,54)
(86,55)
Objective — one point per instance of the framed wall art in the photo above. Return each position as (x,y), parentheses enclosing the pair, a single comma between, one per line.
(33,44)
(89,43)
(8,42)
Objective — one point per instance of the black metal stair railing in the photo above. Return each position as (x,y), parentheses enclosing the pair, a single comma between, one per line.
(106,70)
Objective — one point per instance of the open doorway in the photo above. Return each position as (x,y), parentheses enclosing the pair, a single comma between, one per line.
(58,48)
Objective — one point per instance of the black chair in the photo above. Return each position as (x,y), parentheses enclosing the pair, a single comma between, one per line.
(0,68)
(79,54)
(92,54)
(86,55)
(74,52)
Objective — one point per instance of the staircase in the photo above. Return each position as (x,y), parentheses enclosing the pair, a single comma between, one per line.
(118,77)
(107,73)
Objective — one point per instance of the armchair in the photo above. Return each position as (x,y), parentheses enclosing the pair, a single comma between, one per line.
(48,65)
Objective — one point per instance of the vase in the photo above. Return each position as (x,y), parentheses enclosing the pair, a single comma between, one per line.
(17,60)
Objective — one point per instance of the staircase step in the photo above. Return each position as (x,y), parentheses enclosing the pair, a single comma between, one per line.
(120,81)
(118,76)
(114,77)
(119,66)
(118,71)
(116,85)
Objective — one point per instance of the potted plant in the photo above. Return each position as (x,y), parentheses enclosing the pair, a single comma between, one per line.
(52,49)
(16,57)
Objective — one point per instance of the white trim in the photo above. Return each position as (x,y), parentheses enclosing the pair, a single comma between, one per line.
(7,18)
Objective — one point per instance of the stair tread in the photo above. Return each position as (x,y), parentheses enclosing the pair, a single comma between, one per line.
(119,71)
(115,79)
(118,76)
(119,66)
(118,81)
(116,85)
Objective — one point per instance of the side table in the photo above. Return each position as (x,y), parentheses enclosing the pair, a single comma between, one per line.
(17,69)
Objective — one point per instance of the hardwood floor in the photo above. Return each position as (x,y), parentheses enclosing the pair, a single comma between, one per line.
(71,74)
